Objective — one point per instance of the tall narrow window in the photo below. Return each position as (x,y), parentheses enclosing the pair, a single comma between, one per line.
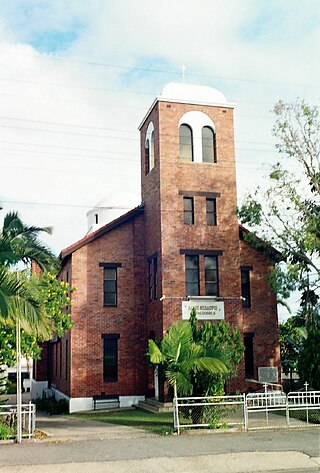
(208,145)
(146,156)
(248,355)
(211,211)
(149,148)
(186,143)
(155,277)
(67,359)
(188,210)
(150,280)
(110,287)
(192,275)
(60,359)
(110,357)
(151,151)
(245,286)
(211,275)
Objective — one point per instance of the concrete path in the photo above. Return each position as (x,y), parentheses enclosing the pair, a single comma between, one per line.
(248,462)
(65,428)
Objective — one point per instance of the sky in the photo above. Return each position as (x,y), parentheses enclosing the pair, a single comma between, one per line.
(77,77)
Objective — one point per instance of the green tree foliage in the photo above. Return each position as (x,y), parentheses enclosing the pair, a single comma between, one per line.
(221,337)
(309,359)
(38,301)
(53,298)
(182,358)
(21,243)
(287,215)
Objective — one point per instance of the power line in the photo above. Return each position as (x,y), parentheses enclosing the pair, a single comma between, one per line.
(154,70)
(116,91)
(102,129)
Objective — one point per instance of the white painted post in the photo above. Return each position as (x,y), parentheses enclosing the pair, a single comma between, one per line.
(245,412)
(19,397)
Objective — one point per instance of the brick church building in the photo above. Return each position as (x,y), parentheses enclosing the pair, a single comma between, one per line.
(181,248)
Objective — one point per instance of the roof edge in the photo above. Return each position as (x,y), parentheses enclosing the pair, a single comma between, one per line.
(160,98)
(135,212)
(261,245)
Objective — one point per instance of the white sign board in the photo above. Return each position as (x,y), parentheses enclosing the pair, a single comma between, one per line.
(207,308)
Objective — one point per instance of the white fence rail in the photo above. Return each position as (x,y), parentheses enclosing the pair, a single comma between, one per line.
(263,410)
(8,417)
(211,411)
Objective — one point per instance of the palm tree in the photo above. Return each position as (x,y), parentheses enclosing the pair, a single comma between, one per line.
(182,358)
(19,300)
(20,243)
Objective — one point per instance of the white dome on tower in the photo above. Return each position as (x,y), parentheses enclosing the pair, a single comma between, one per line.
(198,94)
(111,207)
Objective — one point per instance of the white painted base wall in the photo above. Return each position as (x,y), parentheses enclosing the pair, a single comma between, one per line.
(38,388)
(78,404)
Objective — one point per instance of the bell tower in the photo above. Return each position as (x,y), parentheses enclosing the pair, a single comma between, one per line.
(188,183)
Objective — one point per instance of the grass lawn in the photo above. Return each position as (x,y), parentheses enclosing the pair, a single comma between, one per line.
(161,424)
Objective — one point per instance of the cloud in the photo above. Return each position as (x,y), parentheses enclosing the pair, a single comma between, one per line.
(77,78)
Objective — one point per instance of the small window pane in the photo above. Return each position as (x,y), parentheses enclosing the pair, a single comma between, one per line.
(186,143)
(110,287)
(211,275)
(211,211)
(192,275)
(188,209)
(208,145)
(110,274)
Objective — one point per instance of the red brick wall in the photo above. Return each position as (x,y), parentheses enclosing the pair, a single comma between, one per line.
(91,319)
(262,318)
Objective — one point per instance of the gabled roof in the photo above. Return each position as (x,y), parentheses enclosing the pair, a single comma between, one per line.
(132,214)
(260,244)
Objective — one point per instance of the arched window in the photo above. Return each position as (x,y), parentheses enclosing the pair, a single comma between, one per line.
(208,145)
(149,148)
(186,143)
(151,151)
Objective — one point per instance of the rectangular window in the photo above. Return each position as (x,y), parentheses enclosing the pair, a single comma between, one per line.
(248,355)
(211,275)
(67,358)
(60,359)
(110,357)
(192,275)
(110,287)
(245,287)
(188,210)
(155,277)
(211,211)
(150,280)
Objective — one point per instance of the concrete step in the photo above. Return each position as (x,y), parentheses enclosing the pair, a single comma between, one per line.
(152,405)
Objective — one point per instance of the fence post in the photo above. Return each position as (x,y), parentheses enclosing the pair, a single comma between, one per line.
(176,414)
(29,420)
(287,411)
(245,412)
(306,402)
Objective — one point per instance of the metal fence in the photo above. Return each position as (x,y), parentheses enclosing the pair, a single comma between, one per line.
(303,408)
(8,419)
(212,411)
(260,410)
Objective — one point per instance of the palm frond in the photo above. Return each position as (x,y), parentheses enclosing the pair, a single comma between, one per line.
(154,353)
(182,382)
(177,340)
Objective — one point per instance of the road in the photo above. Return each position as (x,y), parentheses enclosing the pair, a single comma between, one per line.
(291,451)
